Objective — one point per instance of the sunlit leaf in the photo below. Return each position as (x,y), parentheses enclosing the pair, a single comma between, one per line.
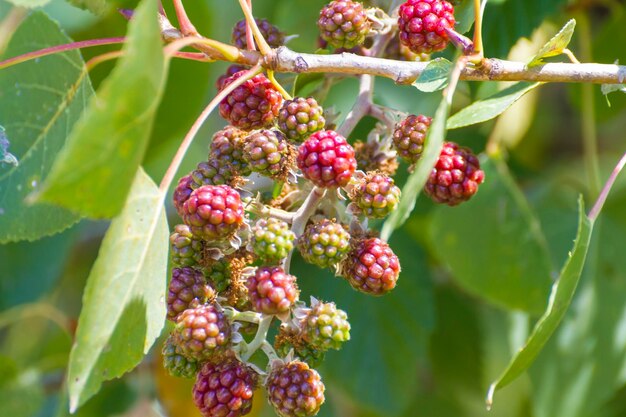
(560,299)
(435,76)
(491,107)
(556,45)
(94,172)
(123,303)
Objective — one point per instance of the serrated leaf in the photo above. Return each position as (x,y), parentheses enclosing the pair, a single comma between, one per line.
(491,107)
(560,299)
(123,303)
(40,101)
(416,181)
(95,6)
(435,76)
(489,255)
(556,45)
(93,173)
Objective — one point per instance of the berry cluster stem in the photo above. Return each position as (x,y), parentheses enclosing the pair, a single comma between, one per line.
(597,207)
(186,27)
(260,40)
(478,26)
(248,349)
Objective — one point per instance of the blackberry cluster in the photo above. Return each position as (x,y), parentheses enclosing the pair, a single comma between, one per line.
(275,180)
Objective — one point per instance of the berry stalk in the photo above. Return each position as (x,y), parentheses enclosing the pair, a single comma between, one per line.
(597,207)
(248,349)
(260,40)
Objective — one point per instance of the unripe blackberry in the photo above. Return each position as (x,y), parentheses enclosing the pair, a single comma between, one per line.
(371,267)
(455,177)
(187,289)
(423,24)
(213,212)
(182,192)
(271,290)
(272,239)
(324,243)
(230,71)
(186,248)
(343,23)
(289,338)
(252,105)
(327,159)
(203,332)
(376,195)
(175,363)
(225,389)
(273,36)
(325,326)
(227,146)
(295,390)
(212,172)
(267,152)
(300,117)
(409,136)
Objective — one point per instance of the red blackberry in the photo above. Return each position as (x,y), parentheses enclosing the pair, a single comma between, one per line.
(273,36)
(230,71)
(409,136)
(371,267)
(182,192)
(343,23)
(271,290)
(295,390)
(423,24)
(455,177)
(252,105)
(225,389)
(202,332)
(327,159)
(213,212)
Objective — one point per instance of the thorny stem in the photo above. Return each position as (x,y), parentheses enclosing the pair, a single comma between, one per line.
(184,146)
(260,337)
(260,40)
(59,48)
(186,27)
(301,217)
(595,211)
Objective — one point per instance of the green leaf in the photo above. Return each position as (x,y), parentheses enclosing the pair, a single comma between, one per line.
(96,6)
(377,368)
(560,298)
(94,172)
(489,256)
(40,100)
(556,45)
(123,303)
(491,107)
(435,76)
(416,181)
(29,3)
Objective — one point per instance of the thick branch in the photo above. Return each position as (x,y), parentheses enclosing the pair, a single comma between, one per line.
(286,60)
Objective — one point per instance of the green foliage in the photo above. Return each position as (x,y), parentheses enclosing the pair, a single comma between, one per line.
(94,172)
(560,299)
(56,89)
(556,45)
(123,309)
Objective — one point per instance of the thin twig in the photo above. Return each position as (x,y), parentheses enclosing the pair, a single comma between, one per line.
(258,36)
(186,27)
(10,23)
(595,211)
(184,146)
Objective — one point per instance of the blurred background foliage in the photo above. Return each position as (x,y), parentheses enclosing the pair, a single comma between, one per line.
(475,277)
